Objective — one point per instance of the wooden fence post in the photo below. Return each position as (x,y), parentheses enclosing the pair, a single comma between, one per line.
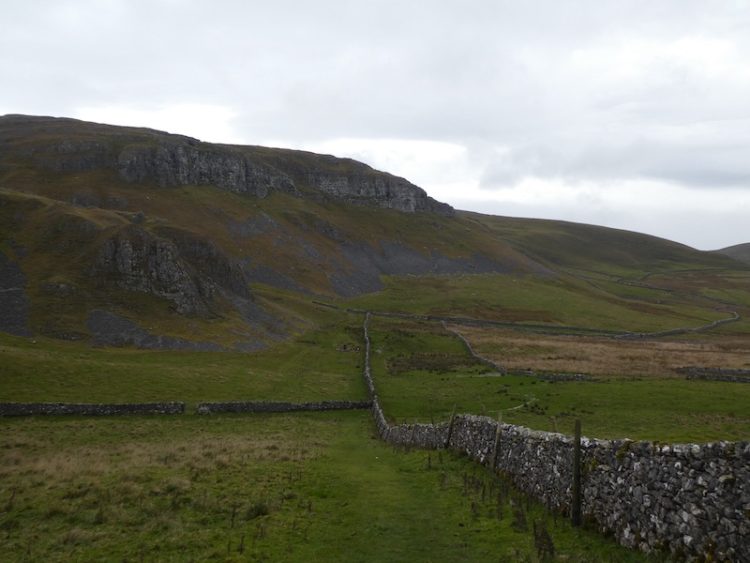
(575,507)
(450,428)
(496,448)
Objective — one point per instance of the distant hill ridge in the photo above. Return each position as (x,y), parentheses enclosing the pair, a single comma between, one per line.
(141,155)
(739,252)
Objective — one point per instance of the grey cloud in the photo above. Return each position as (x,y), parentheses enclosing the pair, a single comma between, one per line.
(578,90)
(717,164)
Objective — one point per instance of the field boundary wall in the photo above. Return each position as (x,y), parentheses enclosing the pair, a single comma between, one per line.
(90,409)
(689,500)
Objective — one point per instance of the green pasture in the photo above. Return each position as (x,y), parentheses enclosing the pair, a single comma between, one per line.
(534,299)
(325,363)
(422,372)
(304,487)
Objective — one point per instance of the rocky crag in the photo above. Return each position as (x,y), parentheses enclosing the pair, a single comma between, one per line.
(147,156)
(176,266)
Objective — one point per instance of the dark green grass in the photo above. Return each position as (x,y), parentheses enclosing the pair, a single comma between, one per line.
(556,301)
(307,487)
(668,410)
(322,364)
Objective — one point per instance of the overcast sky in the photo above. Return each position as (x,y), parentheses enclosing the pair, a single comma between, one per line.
(632,114)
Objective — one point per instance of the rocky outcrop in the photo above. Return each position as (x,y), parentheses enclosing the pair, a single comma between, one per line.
(367,187)
(167,161)
(172,264)
(136,260)
(181,163)
(154,157)
(208,261)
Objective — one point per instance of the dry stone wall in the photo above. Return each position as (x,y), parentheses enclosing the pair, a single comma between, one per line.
(89,409)
(472,352)
(685,330)
(716,374)
(275,406)
(102,409)
(691,500)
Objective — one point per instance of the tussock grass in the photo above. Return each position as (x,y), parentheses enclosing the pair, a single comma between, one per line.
(605,357)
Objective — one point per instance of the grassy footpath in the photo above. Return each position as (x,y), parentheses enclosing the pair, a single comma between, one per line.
(304,487)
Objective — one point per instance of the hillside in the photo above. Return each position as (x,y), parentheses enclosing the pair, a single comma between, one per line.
(136,155)
(129,236)
(739,252)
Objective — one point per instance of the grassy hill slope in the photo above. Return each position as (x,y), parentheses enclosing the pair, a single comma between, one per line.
(128,236)
(739,252)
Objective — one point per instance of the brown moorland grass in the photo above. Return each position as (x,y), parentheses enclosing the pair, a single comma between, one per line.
(606,356)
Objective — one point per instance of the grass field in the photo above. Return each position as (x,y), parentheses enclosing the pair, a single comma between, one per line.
(306,487)
(321,487)
(322,364)
(556,301)
(422,372)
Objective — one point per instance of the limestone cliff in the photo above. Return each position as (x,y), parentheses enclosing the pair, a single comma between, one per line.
(363,185)
(152,157)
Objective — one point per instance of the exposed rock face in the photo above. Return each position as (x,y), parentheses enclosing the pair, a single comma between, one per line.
(191,163)
(138,261)
(178,266)
(382,190)
(148,156)
(209,262)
